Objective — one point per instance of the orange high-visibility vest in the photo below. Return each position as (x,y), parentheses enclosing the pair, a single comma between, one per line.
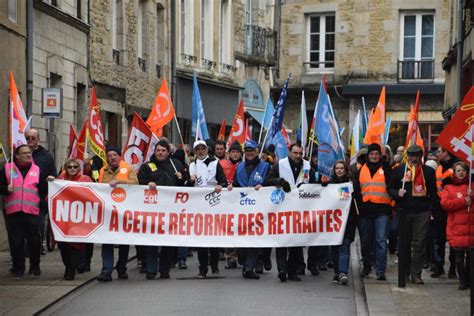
(440,176)
(122,172)
(374,189)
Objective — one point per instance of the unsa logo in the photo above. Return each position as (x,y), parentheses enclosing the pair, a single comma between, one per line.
(277,196)
(77,211)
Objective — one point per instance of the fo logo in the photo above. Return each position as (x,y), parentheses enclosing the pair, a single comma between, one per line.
(277,197)
(118,195)
(151,197)
(77,211)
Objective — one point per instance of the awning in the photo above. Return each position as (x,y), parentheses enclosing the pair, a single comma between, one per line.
(256,114)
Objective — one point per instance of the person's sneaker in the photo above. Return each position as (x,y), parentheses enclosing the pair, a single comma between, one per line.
(452,272)
(322,267)
(462,287)
(17,276)
(182,265)
(201,275)
(438,272)
(104,277)
(365,272)
(416,280)
(36,271)
(330,265)
(259,267)
(335,279)
(142,269)
(164,275)
(150,276)
(215,272)
(282,276)
(231,264)
(293,277)
(314,270)
(250,275)
(343,279)
(381,277)
(123,275)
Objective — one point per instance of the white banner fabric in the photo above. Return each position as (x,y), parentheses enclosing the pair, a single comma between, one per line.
(310,215)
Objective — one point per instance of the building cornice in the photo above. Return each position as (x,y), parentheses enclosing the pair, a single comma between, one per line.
(61,16)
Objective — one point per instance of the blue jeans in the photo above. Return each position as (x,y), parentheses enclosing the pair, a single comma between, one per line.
(370,228)
(108,258)
(182,253)
(340,256)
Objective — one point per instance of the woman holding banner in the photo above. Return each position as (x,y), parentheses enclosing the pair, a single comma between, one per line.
(71,252)
(456,200)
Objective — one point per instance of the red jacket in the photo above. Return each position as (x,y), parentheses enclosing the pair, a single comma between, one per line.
(460,228)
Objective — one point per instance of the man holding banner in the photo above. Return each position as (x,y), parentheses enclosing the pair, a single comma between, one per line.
(161,170)
(115,172)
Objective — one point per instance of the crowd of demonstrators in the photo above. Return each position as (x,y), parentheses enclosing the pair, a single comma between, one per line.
(432,194)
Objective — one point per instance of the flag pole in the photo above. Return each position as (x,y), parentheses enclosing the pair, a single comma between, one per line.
(266,136)
(261,131)
(470,168)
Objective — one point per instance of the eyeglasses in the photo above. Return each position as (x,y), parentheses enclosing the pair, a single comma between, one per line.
(30,137)
(72,167)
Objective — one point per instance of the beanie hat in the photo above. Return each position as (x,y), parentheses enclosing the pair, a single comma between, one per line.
(235,146)
(113,148)
(374,147)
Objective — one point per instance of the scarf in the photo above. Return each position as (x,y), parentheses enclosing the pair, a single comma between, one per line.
(416,176)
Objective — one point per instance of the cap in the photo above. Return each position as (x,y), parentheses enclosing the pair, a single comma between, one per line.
(414,150)
(199,143)
(250,144)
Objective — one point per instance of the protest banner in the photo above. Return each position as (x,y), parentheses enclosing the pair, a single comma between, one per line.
(199,217)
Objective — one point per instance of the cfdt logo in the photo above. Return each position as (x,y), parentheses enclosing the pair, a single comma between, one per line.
(245,200)
(151,196)
(213,198)
(277,197)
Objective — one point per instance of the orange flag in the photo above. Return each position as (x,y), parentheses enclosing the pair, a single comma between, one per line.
(221,135)
(248,136)
(238,129)
(162,111)
(413,132)
(376,125)
(95,131)
(18,120)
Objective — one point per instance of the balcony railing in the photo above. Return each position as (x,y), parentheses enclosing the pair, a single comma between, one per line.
(415,69)
(260,42)
(142,64)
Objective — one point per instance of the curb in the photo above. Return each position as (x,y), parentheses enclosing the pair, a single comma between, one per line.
(360,296)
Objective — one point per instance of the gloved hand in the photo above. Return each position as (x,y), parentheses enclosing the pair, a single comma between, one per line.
(285,185)
(324,181)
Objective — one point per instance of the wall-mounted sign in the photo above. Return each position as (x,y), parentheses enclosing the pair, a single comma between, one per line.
(252,95)
(52,102)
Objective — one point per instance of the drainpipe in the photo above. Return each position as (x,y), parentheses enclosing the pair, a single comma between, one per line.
(459,49)
(175,136)
(29,57)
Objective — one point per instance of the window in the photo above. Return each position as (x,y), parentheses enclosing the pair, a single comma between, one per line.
(117,24)
(186,27)
(207,30)
(417,46)
(142,35)
(160,34)
(225,34)
(12,10)
(79,9)
(321,41)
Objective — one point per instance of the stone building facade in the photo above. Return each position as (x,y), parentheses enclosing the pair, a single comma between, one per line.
(231,46)
(12,58)
(129,55)
(361,46)
(60,60)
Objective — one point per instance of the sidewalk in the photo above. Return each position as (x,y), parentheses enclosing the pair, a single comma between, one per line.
(436,297)
(31,294)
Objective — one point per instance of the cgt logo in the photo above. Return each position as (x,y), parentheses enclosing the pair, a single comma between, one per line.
(118,195)
(213,198)
(245,200)
(181,197)
(151,197)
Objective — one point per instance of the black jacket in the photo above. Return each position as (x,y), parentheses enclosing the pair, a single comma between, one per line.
(409,202)
(162,173)
(44,161)
(369,209)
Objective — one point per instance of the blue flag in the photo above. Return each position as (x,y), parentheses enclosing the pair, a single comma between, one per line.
(267,116)
(387,130)
(198,116)
(279,112)
(327,131)
(281,149)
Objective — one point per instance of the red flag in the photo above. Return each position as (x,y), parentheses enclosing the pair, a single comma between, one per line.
(18,120)
(248,136)
(135,149)
(72,136)
(286,136)
(79,146)
(376,125)
(162,111)
(221,135)
(95,132)
(238,129)
(413,132)
(456,136)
